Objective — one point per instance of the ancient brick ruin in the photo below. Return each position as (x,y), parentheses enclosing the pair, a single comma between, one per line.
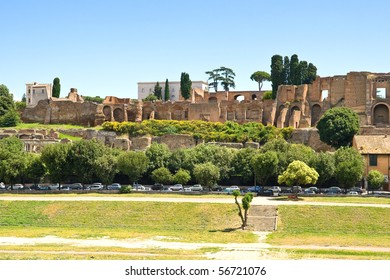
(296,106)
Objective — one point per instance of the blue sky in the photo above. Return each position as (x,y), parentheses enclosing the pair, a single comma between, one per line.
(105,47)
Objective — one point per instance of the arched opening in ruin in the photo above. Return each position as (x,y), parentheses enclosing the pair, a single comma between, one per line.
(295,116)
(381,93)
(324,94)
(107,113)
(118,115)
(131,116)
(254,97)
(213,99)
(146,112)
(177,113)
(381,114)
(315,114)
(239,97)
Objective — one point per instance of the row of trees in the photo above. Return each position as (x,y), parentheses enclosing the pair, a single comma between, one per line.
(88,161)
(290,71)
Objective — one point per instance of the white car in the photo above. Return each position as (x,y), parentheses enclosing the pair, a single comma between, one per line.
(96,186)
(196,188)
(229,190)
(114,186)
(177,188)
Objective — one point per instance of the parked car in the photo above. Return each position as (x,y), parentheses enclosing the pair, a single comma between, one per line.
(309,191)
(188,189)
(254,189)
(334,190)
(266,192)
(157,187)
(96,186)
(2,186)
(114,186)
(352,193)
(43,188)
(196,188)
(76,186)
(314,189)
(177,188)
(276,189)
(229,190)
(17,187)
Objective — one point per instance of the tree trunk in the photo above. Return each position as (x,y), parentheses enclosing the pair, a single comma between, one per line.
(240,213)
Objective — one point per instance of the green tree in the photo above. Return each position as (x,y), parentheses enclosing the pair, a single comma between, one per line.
(162,175)
(215,77)
(106,167)
(227,78)
(324,164)
(260,77)
(295,73)
(265,165)
(56,87)
(338,126)
(96,99)
(286,71)
(311,74)
(182,176)
(35,169)
(55,158)
(276,73)
(158,91)
(150,97)
(298,173)
(349,167)
(81,159)
(375,180)
(133,164)
(158,156)
(206,174)
(241,164)
(8,114)
(166,91)
(185,85)
(246,204)
(13,161)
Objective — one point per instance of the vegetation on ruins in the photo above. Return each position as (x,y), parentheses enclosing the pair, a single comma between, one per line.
(56,87)
(185,85)
(214,78)
(337,126)
(8,114)
(260,77)
(290,71)
(208,131)
(96,99)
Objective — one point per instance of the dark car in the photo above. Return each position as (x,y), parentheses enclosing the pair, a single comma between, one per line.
(157,187)
(254,189)
(267,192)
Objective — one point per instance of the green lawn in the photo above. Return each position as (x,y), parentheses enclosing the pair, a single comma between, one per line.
(332,226)
(186,222)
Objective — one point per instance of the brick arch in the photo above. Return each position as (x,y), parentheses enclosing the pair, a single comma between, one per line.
(315,114)
(119,115)
(381,114)
(107,113)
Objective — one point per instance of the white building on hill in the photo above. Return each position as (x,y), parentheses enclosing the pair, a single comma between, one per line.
(144,89)
(36,92)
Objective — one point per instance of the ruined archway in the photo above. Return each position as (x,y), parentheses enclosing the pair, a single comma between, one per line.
(107,113)
(239,97)
(254,97)
(118,115)
(381,114)
(315,114)
(213,100)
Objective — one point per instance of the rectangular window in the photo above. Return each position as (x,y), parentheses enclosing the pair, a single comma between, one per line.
(373,160)
(43,91)
(33,90)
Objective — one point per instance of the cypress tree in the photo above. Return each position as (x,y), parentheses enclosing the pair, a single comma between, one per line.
(185,85)
(276,73)
(166,90)
(56,87)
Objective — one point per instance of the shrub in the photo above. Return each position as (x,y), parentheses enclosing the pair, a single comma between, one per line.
(125,189)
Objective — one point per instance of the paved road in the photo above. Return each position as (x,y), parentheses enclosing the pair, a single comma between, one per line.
(224,199)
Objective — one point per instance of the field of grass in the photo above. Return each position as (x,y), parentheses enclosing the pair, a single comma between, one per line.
(186,222)
(49,126)
(341,226)
(349,199)
(332,226)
